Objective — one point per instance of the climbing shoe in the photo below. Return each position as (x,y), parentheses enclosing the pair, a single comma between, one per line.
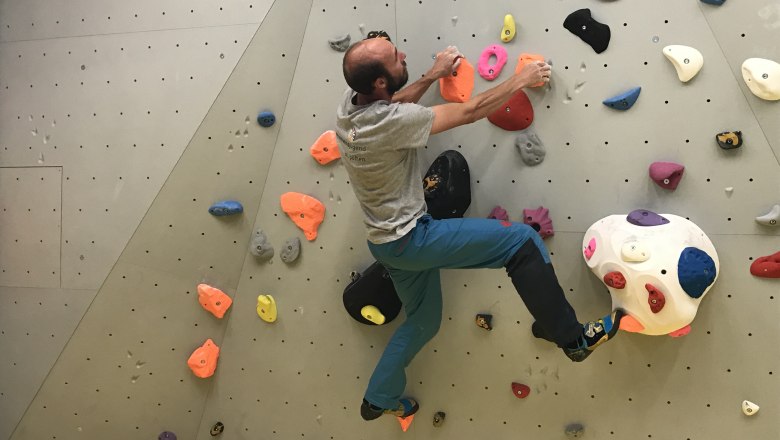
(594,333)
(406,407)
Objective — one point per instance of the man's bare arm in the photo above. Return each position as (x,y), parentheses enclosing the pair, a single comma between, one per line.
(414,91)
(443,66)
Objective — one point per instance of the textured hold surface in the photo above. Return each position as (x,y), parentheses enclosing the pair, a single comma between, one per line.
(696,271)
(634,251)
(266,308)
(458,86)
(213,300)
(666,174)
(767,266)
(438,418)
(623,101)
(686,60)
(771,218)
(528,58)
(260,247)
(531,148)
(226,207)
(499,213)
(582,24)
(590,249)
(203,361)
(540,220)
(484,321)
(644,217)
(729,140)
(762,77)
(515,114)
(447,186)
(655,298)
(325,149)
(521,391)
(341,43)
(485,69)
(290,250)
(615,280)
(305,211)
(266,119)
(575,430)
(509,29)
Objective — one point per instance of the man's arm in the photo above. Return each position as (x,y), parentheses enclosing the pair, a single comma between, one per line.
(414,91)
(443,66)
(447,116)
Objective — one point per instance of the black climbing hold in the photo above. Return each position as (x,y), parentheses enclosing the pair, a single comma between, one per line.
(643,217)
(581,24)
(447,186)
(438,418)
(373,287)
(266,119)
(729,140)
(695,271)
(484,321)
(217,429)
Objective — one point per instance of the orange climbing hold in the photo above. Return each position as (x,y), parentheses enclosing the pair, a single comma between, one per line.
(629,324)
(325,148)
(305,211)
(203,361)
(405,422)
(458,86)
(527,58)
(213,300)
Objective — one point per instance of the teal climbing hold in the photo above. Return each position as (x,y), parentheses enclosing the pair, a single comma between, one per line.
(227,207)
(623,101)
(714,2)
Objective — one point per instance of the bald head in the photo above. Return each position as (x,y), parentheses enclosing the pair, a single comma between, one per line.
(369,60)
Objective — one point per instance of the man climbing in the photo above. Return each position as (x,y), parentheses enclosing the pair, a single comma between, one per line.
(380,126)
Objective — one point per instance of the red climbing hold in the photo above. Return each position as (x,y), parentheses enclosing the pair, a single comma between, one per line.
(615,280)
(655,298)
(766,267)
(521,391)
(515,114)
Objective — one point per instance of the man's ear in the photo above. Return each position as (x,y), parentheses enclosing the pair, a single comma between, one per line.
(380,83)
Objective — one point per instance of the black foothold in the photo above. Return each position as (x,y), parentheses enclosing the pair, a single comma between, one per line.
(438,418)
(729,140)
(484,321)
(217,429)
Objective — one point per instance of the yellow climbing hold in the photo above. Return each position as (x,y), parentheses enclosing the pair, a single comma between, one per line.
(508,32)
(266,308)
(373,314)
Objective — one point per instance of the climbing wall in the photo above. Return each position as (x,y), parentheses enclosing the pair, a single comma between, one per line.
(304,376)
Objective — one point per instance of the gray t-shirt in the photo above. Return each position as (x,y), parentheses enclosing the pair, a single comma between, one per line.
(378,144)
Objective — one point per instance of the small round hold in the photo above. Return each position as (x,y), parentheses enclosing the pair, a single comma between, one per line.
(266,119)
(438,418)
(575,430)
(749,408)
(217,429)
(166,435)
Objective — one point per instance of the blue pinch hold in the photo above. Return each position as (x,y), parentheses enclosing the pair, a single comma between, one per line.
(226,207)
(695,271)
(623,101)
(714,2)
(266,119)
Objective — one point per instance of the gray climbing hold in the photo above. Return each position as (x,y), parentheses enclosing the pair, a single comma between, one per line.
(340,44)
(291,250)
(438,418)
(531,149)
(575,430)
(260,246)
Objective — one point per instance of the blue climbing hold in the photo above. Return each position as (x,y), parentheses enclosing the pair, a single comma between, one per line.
(266,119)
(643,217)
(695,271)
(227,207)
(714,2)
(623,101)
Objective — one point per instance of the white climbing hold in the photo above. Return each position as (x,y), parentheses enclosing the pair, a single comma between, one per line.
(729,190)
(687,61)
(634,252)
(454,20)
(749,408)
(762,77)
(772,218)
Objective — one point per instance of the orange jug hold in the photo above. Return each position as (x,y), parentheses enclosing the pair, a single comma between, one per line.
(527,58)
(325,148)
(213,300)
(203,361)
(458,86)
(305,211)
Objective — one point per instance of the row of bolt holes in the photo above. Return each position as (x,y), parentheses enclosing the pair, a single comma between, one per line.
(192,11)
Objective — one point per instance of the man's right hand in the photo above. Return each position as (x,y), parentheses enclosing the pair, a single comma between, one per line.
(534,73)
(446,63)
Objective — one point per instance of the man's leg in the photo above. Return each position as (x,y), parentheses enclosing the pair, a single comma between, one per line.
(420,293)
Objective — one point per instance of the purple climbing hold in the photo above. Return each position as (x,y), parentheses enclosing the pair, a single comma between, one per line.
(666,174)
(643,217)
(696,271)
(166,435)
(539,219)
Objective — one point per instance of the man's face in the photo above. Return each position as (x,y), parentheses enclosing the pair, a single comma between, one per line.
(395,63)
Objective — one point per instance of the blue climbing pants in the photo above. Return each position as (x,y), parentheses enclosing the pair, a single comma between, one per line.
(413,262)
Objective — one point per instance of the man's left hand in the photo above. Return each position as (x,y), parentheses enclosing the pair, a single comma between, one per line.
(447,61)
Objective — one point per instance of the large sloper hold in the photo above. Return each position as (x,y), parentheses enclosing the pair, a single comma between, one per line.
(666,174)
(447,186)
(623,101)
(458,86)
(695,271)
(373,287)
(582,24)
(516,114)
(686,60)
(762,77)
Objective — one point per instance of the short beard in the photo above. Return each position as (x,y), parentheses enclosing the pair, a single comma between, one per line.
(394,85)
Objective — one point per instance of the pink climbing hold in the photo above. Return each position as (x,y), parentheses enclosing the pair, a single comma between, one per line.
(655,298)
(499,213)
(615,280)
(539,219)
(666,174)
(629,324)
(590,249)
(681,332)
(488,71)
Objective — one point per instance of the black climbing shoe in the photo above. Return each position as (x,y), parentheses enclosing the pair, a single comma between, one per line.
(406,407)
(594,333)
